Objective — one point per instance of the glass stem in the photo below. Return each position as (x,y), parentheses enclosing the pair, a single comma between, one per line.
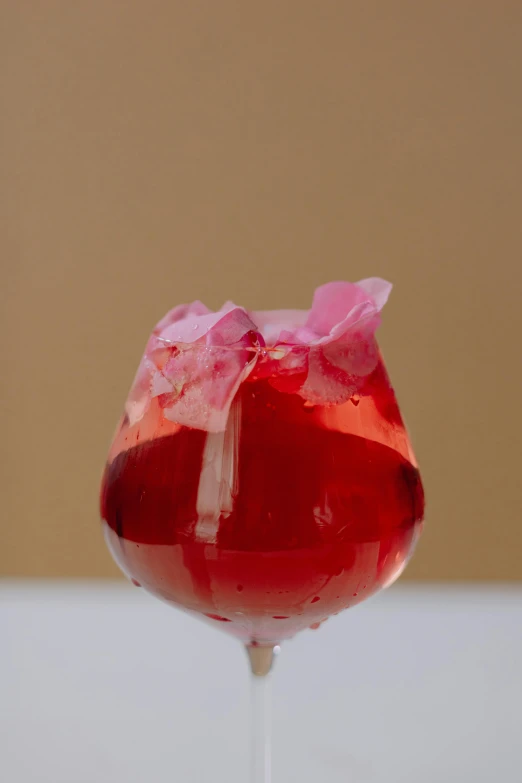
(260,729)
(260,709)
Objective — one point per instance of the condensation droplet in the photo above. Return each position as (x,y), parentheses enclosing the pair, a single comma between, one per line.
(239,588)
(314,600)
(218,618)
(135,583)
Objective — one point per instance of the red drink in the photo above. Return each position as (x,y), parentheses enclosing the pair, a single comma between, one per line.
(293,513)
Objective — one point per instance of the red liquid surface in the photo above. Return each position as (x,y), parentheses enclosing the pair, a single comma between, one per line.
(293,514)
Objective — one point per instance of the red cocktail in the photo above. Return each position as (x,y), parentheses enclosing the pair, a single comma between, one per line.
(262,477)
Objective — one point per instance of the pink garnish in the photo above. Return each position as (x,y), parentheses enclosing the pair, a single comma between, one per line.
(195,359)
(332,345)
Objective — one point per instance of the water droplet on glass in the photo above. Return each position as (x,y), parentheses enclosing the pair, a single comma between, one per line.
(239,588)
(196,326)
(135,583)
(218,618)
(314,600)
(280,617)
(355,595)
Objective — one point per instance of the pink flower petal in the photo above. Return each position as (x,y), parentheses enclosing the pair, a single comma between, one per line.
(355,352)
(195,359)
(326,383)
(272,323)
(180,312)
(378,289)
(300,336)
(221,328)
(332,304)
(289,373)
(205,380)
(348,352)
(194,367)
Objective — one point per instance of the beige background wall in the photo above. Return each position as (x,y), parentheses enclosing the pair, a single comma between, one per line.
(155,152)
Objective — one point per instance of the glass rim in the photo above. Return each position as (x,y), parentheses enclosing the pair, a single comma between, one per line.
(276,351)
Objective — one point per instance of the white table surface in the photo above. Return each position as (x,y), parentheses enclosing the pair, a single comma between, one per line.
(101,683)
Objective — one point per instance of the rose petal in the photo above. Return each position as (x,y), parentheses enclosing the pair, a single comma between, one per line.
(195,385)
(378,289)
(350,345)
(180,312)
(195,360)
(272,323)
(206,375)
(357,356)
(332,305)
(290,371)
(300,336)
(339,362)
(207,378)
(221,328)
(326,383)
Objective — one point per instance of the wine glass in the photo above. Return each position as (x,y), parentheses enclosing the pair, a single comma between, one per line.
(261,477)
